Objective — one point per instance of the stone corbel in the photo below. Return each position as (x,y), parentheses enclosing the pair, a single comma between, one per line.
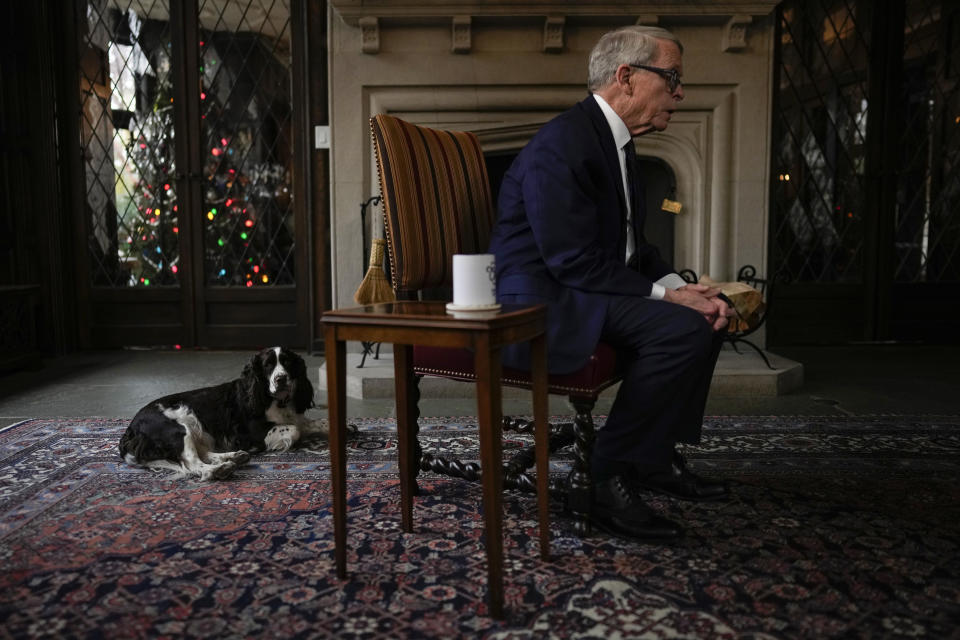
(461,36)
(369,34)
(553,34)
(735,34)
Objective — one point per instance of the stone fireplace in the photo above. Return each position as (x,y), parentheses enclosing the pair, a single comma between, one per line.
(503,68)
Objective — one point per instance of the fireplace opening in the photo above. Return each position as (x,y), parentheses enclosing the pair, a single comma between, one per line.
(659,226)
(660,182)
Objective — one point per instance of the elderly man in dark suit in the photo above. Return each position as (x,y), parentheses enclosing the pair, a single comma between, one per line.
(569,234)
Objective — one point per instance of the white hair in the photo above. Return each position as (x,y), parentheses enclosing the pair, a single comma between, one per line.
(634,44)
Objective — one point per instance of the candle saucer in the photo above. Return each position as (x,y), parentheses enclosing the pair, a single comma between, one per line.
(472,310)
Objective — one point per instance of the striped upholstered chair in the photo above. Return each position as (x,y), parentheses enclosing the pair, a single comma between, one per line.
(436,199)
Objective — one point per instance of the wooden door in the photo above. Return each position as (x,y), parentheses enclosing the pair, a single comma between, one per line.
(194,206)
(865,202)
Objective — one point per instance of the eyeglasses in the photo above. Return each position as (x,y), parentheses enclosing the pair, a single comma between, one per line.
(670,75)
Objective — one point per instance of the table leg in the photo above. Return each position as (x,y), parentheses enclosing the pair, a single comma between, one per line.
(403,384)
(538,351)
(487,364)
(336,412)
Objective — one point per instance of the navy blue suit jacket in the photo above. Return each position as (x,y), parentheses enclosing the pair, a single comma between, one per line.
(559,238)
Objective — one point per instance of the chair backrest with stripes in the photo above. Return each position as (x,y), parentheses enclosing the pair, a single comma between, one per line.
(436,200)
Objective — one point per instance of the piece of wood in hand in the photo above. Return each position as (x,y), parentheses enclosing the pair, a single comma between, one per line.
(747,301)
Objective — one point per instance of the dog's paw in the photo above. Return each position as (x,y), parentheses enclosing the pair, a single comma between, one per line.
(313,428)
(220,471)
(281,437)
(236,457)
(239,457)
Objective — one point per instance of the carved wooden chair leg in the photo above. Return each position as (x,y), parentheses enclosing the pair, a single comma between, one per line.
(515,474)
(438,464)
(580,489)
(453,468)
(415,427)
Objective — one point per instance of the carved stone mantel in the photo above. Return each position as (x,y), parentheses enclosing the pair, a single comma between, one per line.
(370,15)
(430,10)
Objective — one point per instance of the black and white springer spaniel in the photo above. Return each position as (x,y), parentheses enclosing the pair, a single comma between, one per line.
(208,432)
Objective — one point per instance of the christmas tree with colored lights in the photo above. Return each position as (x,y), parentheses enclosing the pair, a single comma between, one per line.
(246,216)
(248,234)
(246,239)
(149,216)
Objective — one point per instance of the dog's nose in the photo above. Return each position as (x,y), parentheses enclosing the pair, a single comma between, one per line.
(281,380)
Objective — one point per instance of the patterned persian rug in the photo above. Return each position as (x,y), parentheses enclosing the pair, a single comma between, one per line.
(838,527)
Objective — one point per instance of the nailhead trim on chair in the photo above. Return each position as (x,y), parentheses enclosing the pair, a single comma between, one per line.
(514,382)
(453,218)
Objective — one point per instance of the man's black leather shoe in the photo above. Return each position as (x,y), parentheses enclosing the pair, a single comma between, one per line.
(681,482)
(617,509)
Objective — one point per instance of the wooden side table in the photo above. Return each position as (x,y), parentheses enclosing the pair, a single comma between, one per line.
(427,323)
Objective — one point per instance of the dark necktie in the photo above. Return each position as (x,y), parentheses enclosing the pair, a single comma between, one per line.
(633,193)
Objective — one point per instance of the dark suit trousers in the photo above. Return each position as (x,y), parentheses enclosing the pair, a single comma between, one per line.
(669,352)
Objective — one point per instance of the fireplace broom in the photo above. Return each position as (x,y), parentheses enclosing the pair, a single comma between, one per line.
(374,288)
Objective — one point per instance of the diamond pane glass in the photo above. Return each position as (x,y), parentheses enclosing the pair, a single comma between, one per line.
(126,126)
(247,150)
(928,186)
(820,124)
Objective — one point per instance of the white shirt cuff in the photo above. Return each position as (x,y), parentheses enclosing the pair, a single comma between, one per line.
(672,281)
(669,281)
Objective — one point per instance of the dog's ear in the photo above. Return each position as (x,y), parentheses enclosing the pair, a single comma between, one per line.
(302,388)
(254,385)
(302,393)
(253,369)
(299,366)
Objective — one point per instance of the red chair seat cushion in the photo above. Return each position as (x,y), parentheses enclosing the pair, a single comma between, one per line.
(447,362)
